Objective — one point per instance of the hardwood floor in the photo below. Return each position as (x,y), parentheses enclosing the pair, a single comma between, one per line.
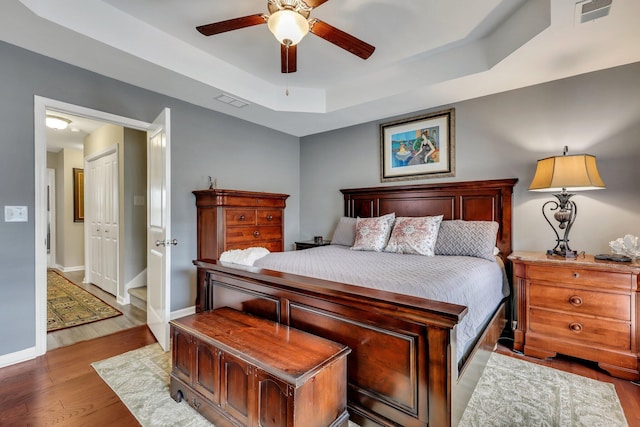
(131,316)
(61,388)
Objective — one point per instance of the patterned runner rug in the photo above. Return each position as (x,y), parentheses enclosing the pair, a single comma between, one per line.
(511,392)
(69,305)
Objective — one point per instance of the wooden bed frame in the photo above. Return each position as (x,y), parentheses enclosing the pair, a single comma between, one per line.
(403,368)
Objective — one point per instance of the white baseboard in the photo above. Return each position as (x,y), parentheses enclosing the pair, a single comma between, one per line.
(68,269)
(183,312)
(18,357)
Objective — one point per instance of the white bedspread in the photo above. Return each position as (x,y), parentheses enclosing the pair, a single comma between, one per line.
(473,282)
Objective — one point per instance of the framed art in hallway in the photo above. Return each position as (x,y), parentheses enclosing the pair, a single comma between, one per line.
(78,195)
(418,147)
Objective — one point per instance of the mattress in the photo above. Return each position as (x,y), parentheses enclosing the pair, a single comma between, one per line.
(476,283)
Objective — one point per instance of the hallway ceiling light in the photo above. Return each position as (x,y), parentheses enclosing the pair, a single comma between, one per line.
(55,122)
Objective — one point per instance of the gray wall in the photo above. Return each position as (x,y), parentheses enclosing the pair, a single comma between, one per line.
(240,154)
(502,136)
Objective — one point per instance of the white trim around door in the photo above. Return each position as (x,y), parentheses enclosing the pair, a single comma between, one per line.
(41,105)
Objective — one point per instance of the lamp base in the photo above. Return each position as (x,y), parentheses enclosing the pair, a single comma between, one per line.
(565,213)
(563,253)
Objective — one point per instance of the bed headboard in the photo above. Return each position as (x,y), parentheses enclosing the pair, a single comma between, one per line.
(471,200)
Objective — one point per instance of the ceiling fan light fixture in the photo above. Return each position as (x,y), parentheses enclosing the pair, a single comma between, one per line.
(55,122)
(288,26)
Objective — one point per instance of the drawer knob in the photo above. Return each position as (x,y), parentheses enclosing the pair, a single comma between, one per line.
(256,234)
(269,217)
(575,300)
(575,327)
(576,275)
(241,218)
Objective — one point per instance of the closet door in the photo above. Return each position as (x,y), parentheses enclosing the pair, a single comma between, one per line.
(102,197)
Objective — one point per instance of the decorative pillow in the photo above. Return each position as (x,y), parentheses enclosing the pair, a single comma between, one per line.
(372,233)
(467,238)
(414,235)
(345,232)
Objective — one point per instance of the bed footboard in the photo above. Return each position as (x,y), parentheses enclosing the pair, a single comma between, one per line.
(402,368)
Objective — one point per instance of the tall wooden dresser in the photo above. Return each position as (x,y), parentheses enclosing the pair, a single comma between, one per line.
(234,219)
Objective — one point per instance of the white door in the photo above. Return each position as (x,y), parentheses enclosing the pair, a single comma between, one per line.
(101,199)
(158,229)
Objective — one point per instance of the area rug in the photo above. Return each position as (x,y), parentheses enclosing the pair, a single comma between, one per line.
(511,392)
(69,305)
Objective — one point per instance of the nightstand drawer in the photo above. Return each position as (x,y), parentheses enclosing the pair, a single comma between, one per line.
(584,330)
(579,301)
(580,276)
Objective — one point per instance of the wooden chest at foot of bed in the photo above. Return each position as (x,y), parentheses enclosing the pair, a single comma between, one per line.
(238,369)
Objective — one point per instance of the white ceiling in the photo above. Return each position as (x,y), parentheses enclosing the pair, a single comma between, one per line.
(73,135)
(428,52)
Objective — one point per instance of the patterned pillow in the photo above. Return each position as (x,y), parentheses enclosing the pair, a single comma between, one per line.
(467,238)
(345,232)
(414,235)
(372,233)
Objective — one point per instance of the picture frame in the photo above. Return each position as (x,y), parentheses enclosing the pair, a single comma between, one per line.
(418,147)
(78,195)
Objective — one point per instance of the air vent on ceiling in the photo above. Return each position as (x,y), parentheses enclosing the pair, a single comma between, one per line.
(228,99)
(590,10)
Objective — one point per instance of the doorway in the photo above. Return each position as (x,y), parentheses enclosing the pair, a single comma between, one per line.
(42,105)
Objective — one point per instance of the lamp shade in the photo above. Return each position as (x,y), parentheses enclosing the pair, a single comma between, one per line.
(572,173)
(288,25)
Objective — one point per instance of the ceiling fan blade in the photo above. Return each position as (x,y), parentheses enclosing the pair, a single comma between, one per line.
(288,64)
(232,24)
(315,3)
(341,39)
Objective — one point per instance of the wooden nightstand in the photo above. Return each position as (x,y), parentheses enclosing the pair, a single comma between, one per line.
(583,308)
(311,244)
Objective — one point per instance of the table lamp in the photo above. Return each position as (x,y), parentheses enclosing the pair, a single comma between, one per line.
(566,174)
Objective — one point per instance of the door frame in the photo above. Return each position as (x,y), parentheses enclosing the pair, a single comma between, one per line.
(41,105)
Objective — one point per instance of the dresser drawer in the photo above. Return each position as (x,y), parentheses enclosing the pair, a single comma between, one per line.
(581,329)
(269,217)
(271,245)
(234,217)
(580,276)
(252,233)
(579,301)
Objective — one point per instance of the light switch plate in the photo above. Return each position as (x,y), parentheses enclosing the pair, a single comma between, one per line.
(16,214)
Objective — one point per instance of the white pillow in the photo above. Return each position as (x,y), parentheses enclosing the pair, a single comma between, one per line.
(414,235)
(372,234)
(345,232)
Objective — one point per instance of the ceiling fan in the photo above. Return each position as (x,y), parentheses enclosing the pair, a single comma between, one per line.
(289,22)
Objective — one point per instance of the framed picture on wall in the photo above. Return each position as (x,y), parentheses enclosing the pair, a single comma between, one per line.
(78,195)
(418,147)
